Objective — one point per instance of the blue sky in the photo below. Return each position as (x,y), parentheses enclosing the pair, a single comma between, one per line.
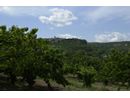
(100,24)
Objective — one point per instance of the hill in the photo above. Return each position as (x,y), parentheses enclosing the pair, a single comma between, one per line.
(71,46)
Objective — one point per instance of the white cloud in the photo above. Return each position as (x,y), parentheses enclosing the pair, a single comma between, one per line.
(22,11)
(67,36)
(59,17)
(111,37)
(4,8)
(108,13)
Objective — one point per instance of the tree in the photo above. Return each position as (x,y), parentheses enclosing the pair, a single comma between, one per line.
(115,68)
(25,55)
(51,65)
(87,75)
(11,49)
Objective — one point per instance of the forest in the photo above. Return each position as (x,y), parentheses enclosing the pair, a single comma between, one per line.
(28,62)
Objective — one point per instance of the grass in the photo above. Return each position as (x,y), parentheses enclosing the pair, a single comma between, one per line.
(40,85)
(77,85)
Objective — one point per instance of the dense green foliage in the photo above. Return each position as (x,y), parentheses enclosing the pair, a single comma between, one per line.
(116,68)
(26,57)
(101,62)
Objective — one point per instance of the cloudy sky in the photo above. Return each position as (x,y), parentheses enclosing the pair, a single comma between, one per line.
(100,24)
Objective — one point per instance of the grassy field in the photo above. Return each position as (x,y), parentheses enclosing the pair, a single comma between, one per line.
(40,85)
(77,85)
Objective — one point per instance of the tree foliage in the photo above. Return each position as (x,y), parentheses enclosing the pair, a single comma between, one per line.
(23,54)
(87,75)
(116,68)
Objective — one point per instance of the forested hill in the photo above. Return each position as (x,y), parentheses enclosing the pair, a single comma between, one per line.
(69,45)
(92,48)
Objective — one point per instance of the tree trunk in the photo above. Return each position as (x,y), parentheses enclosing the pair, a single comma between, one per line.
(13,79)
(48,84)
(119,88)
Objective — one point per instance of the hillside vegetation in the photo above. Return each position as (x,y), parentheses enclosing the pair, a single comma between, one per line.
(92,48)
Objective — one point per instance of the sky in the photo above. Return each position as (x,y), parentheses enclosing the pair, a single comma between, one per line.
(92,23)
